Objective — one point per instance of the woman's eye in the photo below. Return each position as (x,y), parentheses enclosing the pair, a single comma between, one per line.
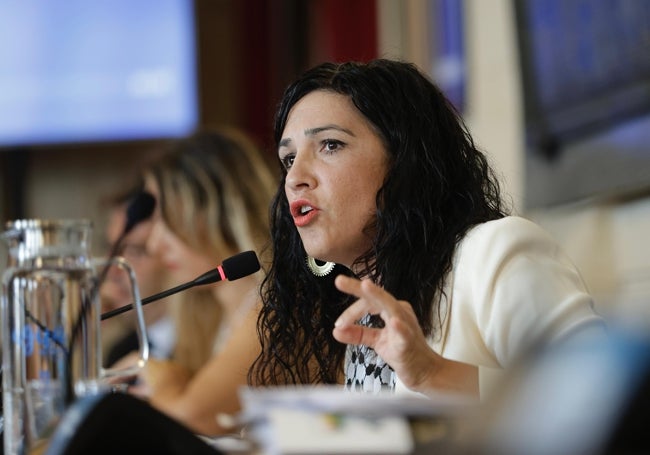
(133,250)
(287,161)
(331,145)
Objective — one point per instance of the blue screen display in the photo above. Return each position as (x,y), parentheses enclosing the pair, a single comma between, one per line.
(585,67)
(587,62)
(101,70)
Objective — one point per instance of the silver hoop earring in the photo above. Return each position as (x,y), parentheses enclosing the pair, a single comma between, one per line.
(319,270)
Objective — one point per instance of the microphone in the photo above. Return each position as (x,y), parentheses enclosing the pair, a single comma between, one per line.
(233,268)
(139,209)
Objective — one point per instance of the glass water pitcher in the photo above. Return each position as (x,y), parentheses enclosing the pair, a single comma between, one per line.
(51,340)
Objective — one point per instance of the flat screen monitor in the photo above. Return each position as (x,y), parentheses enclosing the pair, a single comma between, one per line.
(586,90)
(96,71)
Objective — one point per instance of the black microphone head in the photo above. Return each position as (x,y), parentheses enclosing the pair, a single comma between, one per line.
(140,208)
(240,265)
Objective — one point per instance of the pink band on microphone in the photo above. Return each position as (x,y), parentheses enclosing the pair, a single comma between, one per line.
(223,275)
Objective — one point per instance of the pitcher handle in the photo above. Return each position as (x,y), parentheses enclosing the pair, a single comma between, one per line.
(141,329)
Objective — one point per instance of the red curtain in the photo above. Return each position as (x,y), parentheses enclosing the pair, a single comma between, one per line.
(343,30)
(278,39)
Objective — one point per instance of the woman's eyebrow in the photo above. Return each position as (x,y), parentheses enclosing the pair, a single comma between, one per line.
(313,131)
(319,129)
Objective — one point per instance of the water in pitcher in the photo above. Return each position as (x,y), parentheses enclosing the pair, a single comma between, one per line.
(44,308)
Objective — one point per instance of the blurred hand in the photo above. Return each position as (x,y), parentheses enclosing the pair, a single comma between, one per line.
(128,361)
(163,378)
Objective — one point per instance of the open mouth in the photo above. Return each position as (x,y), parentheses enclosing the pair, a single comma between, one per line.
(303,213)
(305,209)
(301,208)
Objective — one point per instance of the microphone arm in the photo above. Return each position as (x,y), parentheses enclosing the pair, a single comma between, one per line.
(233,268)
(151,298)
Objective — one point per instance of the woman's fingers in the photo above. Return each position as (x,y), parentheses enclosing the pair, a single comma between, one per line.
(357,334)
(372,299)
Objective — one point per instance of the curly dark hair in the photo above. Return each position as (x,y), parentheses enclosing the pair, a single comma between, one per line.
(437,187)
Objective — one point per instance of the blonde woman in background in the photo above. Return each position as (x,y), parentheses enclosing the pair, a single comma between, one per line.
(212,194)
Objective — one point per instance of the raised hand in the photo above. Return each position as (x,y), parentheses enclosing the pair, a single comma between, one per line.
(401,342)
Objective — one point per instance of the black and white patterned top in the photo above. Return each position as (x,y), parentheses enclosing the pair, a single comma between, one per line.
(365,370)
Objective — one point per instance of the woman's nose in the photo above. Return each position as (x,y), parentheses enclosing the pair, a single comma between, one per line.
(300,174)
(154,241)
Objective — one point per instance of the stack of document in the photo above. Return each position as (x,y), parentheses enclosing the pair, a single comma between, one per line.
(330,420)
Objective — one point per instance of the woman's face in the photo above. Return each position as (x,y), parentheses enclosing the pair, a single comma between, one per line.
(335,163)
(183,263)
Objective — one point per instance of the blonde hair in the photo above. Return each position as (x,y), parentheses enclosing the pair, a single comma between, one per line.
(215,188)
